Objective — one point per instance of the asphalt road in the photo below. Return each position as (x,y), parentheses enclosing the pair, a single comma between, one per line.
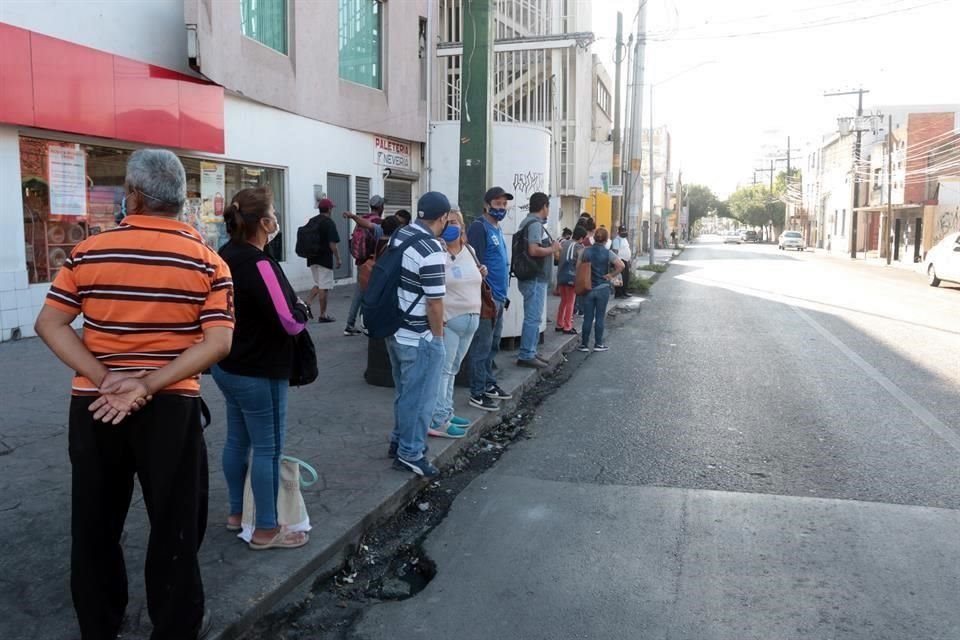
(771,449)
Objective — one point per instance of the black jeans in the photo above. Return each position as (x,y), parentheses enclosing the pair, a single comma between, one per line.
(620,292)
(163,445)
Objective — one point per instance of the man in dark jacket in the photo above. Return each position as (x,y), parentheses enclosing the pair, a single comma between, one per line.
(323,265)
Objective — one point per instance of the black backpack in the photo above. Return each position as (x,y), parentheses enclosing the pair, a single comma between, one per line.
(523,266)
(308,240)
(381,312)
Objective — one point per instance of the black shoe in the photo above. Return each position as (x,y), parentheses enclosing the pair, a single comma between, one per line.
(421,467)
(558,329)
(484,403)
(571,332)
(392,451)
(532,363)
(496,393)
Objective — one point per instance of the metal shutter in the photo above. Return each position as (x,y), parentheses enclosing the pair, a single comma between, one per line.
(363,196)
(398,194)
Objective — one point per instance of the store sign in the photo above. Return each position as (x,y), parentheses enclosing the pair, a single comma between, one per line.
(67,168)
(391,154)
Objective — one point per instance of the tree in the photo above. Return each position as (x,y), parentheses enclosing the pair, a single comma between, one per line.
(701,201)
(755,206)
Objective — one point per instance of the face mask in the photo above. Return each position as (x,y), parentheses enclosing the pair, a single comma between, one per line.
(118,218)
(498,214)
(451,233)
(271,235)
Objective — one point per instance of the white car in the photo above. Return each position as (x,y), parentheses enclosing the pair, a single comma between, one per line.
(732,237)
(943,261)
(791,240)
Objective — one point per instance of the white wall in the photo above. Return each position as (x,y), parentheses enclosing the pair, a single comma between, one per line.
(307,150)
(146,30)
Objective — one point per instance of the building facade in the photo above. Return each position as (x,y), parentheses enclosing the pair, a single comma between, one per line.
(544,75)
(304,97)
(913,185)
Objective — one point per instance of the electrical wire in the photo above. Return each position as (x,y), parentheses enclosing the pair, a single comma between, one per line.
(836,20)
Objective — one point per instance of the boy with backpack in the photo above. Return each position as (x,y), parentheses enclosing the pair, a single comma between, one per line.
(317,241)
(403,303)
(363,247)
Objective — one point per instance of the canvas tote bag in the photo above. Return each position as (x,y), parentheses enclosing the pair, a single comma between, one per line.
(291,510)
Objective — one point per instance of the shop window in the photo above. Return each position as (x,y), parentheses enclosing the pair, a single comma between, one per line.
(266,22)
(71,191)
(360,39)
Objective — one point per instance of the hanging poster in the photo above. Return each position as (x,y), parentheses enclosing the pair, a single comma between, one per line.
(67,168)
(211,191)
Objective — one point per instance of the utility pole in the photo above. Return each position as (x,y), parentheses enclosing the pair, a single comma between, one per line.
(650,234)
(635,202)
(617,161)
(475,111)
(889,218)
(856,165)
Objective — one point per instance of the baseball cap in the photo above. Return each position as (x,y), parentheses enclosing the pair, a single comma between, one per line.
(376,202)
(326,204)
(432,205)
(496,192)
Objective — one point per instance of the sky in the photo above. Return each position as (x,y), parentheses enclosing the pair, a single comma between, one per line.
(727,115)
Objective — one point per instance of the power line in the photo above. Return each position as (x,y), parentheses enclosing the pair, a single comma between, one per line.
(801,27)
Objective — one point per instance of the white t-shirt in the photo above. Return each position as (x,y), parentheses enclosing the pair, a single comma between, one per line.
(463,285)
(621,246)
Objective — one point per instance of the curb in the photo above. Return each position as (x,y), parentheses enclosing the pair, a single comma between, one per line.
(336,552)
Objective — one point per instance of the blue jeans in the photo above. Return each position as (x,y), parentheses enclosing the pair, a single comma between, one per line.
(594,312)
(456,340)
(534,302)
(416,378)
(485,347)
(257,422)
(355,306)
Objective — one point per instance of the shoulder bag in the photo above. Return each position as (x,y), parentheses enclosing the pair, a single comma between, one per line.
(488,308)
(584,280)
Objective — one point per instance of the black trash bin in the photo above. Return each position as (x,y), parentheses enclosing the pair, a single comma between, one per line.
(379,373)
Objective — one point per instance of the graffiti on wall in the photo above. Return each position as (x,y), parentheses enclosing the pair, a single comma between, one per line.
(946,222)
(528,182)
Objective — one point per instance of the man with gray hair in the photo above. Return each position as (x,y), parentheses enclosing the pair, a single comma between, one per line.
(157,308)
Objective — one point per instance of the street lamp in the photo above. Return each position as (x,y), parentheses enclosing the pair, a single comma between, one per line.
(650,232)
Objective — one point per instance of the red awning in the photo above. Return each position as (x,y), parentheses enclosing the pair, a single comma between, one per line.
(54,84)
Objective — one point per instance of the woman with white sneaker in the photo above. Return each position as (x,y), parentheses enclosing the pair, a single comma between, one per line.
(461,309)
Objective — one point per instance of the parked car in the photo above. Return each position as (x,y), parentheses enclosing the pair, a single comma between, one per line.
(750,236)
(791,240)
(732,237)
(943,261)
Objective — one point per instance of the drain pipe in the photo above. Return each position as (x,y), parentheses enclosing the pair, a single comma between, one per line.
(429,52)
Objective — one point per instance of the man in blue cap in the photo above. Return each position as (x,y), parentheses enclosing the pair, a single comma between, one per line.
(416,350)
(486,238)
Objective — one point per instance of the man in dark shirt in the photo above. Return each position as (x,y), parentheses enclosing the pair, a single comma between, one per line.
(324,263)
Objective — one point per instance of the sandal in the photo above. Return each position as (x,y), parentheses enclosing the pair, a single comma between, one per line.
(233,527)
(282,540)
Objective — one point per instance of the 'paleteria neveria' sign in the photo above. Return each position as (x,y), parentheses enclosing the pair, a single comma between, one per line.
(391,153)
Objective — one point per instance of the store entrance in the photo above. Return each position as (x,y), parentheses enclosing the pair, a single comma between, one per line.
(338,190)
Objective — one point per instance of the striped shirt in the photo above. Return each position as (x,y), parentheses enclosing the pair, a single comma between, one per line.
(147,289)
(421,273)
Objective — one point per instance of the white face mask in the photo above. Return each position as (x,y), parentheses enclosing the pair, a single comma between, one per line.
(271,235)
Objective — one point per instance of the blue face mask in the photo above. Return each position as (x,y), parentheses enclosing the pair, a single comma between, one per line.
(498,214)
(451,233)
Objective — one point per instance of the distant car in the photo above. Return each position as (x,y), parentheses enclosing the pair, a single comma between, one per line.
(943,261)
(750,236)
(732,237)
(791,240)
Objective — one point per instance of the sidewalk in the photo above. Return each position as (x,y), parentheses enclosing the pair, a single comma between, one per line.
(339,424)
(872,260)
